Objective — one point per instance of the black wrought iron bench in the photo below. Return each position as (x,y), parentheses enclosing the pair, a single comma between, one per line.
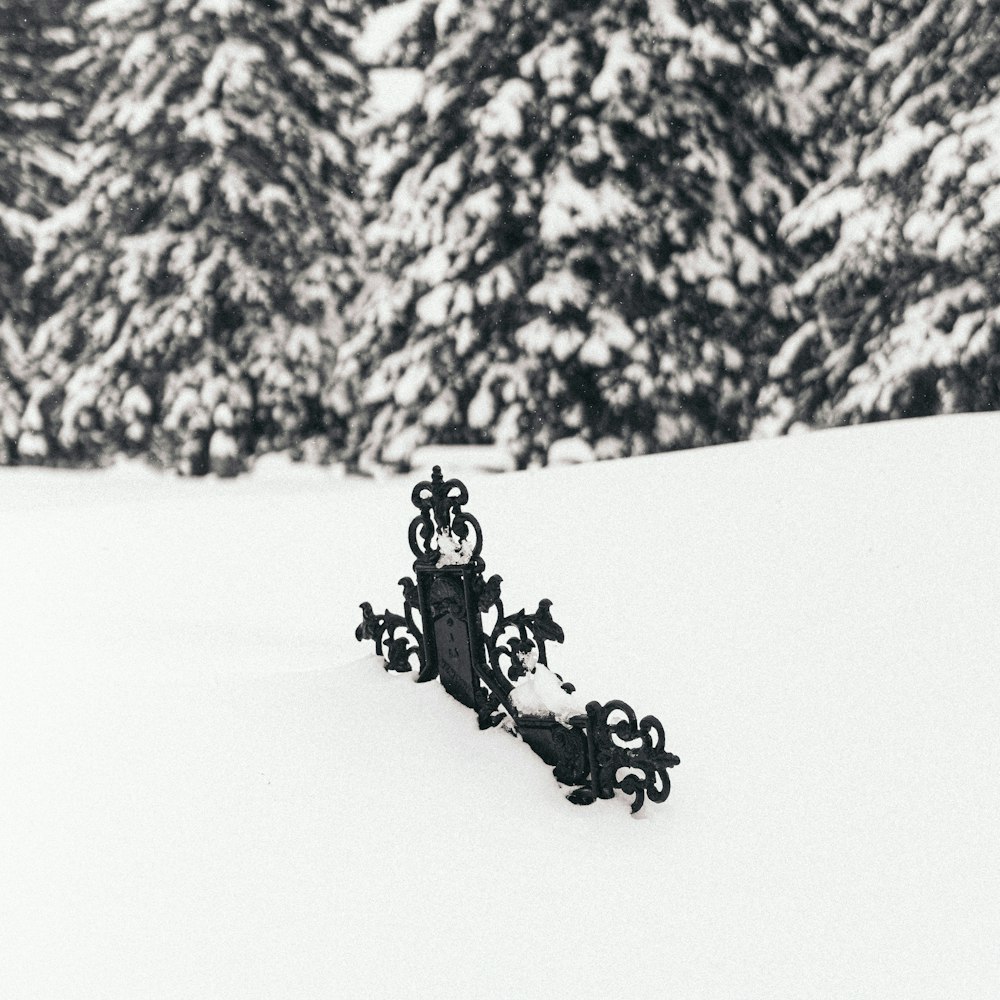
(503,675)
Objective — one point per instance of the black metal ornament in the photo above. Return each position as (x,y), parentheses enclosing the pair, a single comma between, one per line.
(600,751)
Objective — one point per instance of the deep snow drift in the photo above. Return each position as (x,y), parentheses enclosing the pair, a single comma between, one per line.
(209,789)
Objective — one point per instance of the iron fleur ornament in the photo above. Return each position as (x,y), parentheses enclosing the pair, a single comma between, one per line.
(503,674)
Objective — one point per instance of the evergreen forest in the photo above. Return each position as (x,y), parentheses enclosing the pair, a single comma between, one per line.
(571,229)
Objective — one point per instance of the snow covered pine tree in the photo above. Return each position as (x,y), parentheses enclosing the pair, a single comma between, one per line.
(899,312)
(577,249)
(196,281)
(33,165)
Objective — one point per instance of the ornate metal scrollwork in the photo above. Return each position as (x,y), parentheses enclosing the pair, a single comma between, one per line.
(491,709)
(514,635)
(440,504)
(602,751)
(402,653)
(638,748)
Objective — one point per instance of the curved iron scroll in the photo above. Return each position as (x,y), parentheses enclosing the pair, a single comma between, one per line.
(534,630)
(402,653)
(440,504)
(637,748)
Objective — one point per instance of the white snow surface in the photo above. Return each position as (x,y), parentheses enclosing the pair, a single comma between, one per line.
(384,28)
(540,693)
(211,790)
(393,92)
(453,551)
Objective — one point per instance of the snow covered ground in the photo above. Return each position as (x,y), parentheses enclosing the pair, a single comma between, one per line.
(210,790)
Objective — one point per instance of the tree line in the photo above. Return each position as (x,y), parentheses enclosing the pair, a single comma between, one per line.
(609,227)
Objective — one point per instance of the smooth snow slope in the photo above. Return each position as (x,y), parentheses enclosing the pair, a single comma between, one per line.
(209,790)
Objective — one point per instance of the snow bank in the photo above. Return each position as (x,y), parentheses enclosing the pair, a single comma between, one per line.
(210,791)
